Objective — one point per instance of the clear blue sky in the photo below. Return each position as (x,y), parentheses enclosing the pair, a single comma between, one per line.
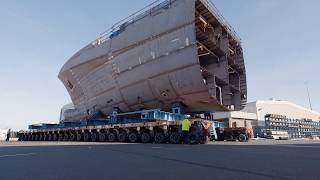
(280,38)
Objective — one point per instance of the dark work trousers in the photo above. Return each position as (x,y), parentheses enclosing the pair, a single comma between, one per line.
(8,137)
(185,137)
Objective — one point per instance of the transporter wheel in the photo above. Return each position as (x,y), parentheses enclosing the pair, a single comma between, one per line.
(25,137)
(37,137)
(50,137)
(60,137)
(86,137)
(212,138)
(20,137)
(93,137)
(55,137)
(242,138)
(122,137)
(72,137)
(145,137)
(29,137)
(34,137)
(159,138)
(40,137)
(79,137)
(133,137)
(66,137)
(112,136)
(204,140)
(102,137)
(175,138)
(194,138)
(45,138)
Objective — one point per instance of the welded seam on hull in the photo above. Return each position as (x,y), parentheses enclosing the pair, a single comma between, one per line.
(160,74)
(159,57)
(141,81)
(152,60)
(132,46)
(155,99)
(153,93)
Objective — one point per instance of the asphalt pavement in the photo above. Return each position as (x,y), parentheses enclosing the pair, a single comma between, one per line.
(89,161)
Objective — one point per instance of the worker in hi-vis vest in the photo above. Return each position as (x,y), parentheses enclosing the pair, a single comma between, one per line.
(186,124)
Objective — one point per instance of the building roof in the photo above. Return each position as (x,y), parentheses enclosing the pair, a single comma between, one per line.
(280,102)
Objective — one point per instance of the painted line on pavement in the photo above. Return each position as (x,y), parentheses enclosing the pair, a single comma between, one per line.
(15,155)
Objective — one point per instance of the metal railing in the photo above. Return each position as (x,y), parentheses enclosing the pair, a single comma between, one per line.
(221,19)
(120,26)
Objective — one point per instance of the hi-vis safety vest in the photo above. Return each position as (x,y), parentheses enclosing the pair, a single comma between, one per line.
(186,124)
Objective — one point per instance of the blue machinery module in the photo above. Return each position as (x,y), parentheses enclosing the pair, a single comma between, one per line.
(121,118)
(115,118)
(144,126)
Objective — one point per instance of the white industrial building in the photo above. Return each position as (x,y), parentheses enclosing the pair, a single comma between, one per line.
(285,108)
(254,113)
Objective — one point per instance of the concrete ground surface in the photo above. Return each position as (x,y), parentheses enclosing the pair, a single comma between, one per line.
(259,159)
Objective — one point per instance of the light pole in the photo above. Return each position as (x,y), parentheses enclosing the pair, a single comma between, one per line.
(306,83)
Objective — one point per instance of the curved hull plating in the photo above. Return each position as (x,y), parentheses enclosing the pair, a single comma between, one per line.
(154,61)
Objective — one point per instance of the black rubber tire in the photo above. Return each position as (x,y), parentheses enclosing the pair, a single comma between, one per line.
(36,137)
(72,137)
(55,137)
(102,137)
(212,138)
(204,140)
(145,137)
(29,137)
(242,138)
(41,137)
(20,138)
(61,137)
(122,137)
(194,138)
(33,137)
(133,137)
(79,137)
(50,137)
(112,137)
(93,137)
(175,138)
(66,137)
(159,138)
(45,138)
(86,137)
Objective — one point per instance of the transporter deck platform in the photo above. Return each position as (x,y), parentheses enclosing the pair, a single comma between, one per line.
(142,126)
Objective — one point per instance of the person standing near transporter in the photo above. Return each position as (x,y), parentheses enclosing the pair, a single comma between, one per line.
(186,124)
(8,135)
